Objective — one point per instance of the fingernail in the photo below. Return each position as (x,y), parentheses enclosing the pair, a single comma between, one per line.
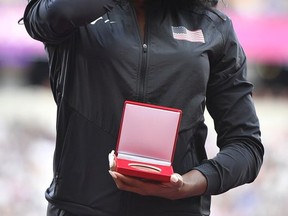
(174,178)
(112,174)
(111,158)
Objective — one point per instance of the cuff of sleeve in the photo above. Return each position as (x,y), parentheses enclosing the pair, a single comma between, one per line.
(212,177)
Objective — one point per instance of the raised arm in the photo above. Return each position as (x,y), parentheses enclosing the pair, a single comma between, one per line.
(47,20)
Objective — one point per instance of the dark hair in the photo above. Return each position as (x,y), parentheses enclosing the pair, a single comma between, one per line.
(206,3)
(184,3)
(210,3)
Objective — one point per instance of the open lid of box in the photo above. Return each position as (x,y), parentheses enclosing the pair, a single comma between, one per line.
(148,133)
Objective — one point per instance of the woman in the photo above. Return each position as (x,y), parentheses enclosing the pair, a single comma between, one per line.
(181,54)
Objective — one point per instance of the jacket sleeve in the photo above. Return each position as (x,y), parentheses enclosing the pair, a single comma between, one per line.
(51,21)
(230,104)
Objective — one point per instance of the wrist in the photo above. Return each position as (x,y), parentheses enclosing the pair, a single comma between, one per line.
(195,183)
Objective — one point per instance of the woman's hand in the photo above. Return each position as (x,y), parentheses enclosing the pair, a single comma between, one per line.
(190,184)
(170,190)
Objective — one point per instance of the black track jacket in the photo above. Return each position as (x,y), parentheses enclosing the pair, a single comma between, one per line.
(189,59)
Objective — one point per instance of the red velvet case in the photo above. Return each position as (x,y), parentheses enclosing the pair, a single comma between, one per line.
(146,141)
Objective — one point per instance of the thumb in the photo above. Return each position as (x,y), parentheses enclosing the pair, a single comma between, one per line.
(112,160)
(177,180)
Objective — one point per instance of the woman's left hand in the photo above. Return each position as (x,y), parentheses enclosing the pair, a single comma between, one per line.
(169,190)
(192,183)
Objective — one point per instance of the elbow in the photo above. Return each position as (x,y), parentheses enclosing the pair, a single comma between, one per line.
(59,15)
(58,9)
(258,162)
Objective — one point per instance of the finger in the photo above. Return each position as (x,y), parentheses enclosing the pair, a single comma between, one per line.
(114,176)
(127,183)
(177,180)
(126,180)
(112,160)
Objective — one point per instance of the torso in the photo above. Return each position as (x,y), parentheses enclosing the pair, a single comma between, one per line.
(140,10)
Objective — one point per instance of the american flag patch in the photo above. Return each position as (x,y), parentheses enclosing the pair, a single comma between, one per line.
(182,33)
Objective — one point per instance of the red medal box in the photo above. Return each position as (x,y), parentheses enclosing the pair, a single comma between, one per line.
(146,141)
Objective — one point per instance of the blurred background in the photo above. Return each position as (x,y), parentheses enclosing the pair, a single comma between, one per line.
(28,112)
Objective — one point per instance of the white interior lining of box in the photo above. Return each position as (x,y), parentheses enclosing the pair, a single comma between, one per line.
(125,156)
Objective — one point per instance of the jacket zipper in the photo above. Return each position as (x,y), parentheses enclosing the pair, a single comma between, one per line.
(141,83)
(143,72)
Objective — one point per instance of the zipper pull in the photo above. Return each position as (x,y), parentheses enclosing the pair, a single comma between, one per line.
(144,48)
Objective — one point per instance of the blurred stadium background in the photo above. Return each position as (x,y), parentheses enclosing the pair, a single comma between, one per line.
(27,112)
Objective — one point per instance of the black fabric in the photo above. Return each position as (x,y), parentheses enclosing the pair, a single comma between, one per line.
(54,211)
(97,61)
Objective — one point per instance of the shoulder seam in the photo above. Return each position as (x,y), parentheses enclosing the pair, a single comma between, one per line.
(213,13)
